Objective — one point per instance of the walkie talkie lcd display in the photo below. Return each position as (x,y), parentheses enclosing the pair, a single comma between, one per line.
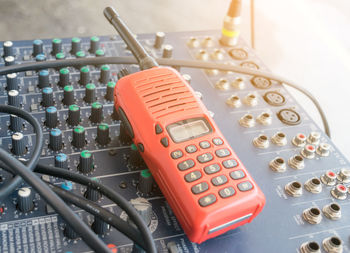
(205,183)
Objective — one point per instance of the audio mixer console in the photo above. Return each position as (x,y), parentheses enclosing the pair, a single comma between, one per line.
(303,175)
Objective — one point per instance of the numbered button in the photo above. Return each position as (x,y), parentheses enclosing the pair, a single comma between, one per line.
(228,164)
(227,192)
(176,154)
(185,165)
(207,200)
(193,176)
(199,188)
(237,174)
(205,158)
(217,141)
(204,144)
(222,152)
(219,180)
(191,149)
(211,169)
(245,186)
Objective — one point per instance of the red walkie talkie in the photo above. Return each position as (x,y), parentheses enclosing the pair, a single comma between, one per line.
(205,183)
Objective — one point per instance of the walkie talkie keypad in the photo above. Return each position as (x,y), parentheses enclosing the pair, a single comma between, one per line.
(193,176)
(185,165)
(211,169)
(199,188)
(207,157)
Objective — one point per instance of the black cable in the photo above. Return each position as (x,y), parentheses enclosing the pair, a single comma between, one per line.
(58,204)
(103,214)
(11,184)
(252,23)
(166,62)
(109,193)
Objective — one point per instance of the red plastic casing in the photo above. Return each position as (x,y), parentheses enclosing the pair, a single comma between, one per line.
(161,96)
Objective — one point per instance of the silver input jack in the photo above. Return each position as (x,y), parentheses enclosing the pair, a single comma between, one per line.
(279,139)
(310,247)
(313,185)
(262,141)
(187,77)
(264,118)
(314,138)
(296,162)
(238,83)
(308,151)
(333,244)
(344,175)
(323,149)
(202,55)
(247,121)
(222,84)
(340,192)
(299,140)
(329,178)
(278,165)
(208,42)
(251,100)
(312,215)
(294,189)
(193,42)
(332,211)
(217,54)
(234,101)
(212,72)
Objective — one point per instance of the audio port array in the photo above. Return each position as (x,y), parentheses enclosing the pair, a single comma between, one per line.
(262,141)
(237,83)
(331,244)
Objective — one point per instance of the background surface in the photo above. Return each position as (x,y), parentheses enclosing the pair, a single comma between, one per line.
(305,41)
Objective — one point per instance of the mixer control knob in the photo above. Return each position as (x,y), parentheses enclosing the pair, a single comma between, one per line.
(145,181)
(158,42)
(12,81)
(84,75)
(44,78)
(8,48)
(76,45)
(135,159)
(96,112)
(105,74)
(13,98)
(10,60)
(99,226)
(86,164)
(64,77)
(25,200)
(38,47)
(78,137)
(16,123)
(55,139)
(109,91)
(40,57)
(144,208)
(90,93)
(73,115)
(61,161)
(51,117)
(94,44)
(167,51)
(68,95)
(103,134)
(56,46)
(47,97)
(18,145)
(93,194)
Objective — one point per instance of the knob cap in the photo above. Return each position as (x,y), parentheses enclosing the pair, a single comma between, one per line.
(76,45)
(13,98)
(18,145)
(56,46)
(105,74)
(47,97)
(78,137)
(51,117)
(103,134)
(99,52)
(40,57)
(61,161)
(67,185)
(159,40)
(12,81)
(73,115)
(110,91)
(55,139)
(64,77)
(25,200)
(84,75)
(38,47)
(80,54)
(90,93)
(99,226)
(135,159)
(96,112)
(86,164)
(44,78)
(9,60)
(94,44)
(145,181)
(93,194)
(167,51)
(144,208)
(16,123)
(60,56)
(8,48)
(68,95)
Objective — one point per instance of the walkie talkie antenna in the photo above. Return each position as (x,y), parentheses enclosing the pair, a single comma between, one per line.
(144,59)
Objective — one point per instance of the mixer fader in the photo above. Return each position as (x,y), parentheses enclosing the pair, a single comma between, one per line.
(303,175)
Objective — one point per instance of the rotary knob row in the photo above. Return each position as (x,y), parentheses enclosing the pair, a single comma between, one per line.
(79,135)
